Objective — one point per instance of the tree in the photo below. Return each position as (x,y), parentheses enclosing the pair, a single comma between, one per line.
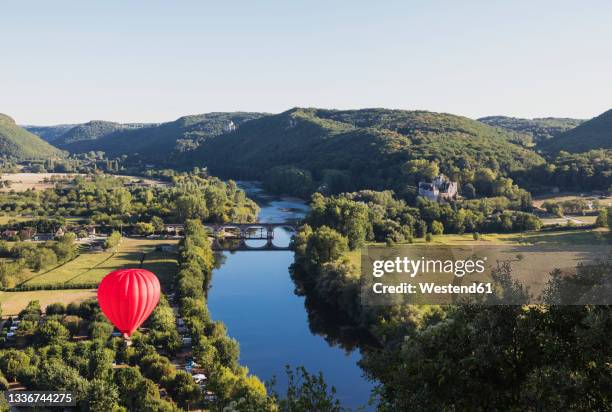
(190,207)
(112,241)
(32,309)
(469,191)
(421,228)
(100,330)
(57,308)
(102,396)
(325,245)
(158,224)
(51,332)
(602,218)
(289,180)
(43,258)
(144,228)
(135,391)
(156,367)
(100,364)
(421,170)
(184,389)
(307,392)
(12,362)
(119,201)
(437,228)
(56,375)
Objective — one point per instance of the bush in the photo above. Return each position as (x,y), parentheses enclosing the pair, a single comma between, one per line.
(437,228)
(112,241)
(428,237)
(57,308)
(4,384)
(100,330)
(476,236)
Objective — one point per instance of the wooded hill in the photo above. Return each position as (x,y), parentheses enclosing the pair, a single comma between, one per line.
(17,143)
(590,135)
(96,129)
(49,133)
(154,142)
(539,130)
(368,146)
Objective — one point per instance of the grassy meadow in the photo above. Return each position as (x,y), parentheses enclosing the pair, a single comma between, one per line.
(13,302)
(91,267)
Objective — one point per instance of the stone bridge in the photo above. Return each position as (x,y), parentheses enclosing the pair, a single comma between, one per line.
(247,231)
(233,236)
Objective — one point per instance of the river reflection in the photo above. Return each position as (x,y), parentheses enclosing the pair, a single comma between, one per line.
(253,294)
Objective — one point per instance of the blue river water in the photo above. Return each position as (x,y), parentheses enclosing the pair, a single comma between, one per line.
(253,294)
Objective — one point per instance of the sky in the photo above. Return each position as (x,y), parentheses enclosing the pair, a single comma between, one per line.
(152,61)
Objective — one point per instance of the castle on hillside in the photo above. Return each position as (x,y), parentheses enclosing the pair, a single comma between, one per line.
(441,189)
(229,127)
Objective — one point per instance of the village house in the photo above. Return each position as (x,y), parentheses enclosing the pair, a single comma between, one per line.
(441,189)
(9,234)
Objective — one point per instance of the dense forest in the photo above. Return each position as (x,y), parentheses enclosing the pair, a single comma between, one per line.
(159,143)
(305,150)
(537,130)
(96,129)
(19,144)
(336,151)
(593,134)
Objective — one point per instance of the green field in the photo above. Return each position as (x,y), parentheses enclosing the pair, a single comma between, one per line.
(163,264)
(566,239)
(13,302)
(92,267)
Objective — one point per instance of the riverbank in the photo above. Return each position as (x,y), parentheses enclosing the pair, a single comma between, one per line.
(254,295)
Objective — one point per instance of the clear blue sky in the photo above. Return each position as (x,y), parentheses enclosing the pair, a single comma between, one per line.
(72,61)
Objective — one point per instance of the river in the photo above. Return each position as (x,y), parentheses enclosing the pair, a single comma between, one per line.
(253,294)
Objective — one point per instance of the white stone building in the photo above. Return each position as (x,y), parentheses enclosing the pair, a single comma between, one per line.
(441,189)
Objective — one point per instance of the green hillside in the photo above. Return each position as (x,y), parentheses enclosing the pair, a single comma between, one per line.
(366,147)
(538,130)
(590,135)
(17,143)
(49,133)
(93,130)
(157,143)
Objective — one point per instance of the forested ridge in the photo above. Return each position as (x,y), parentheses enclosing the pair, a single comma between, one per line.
(19,144)
(535,131)
(590,135)
(351,150)
(305,150)
(159,143)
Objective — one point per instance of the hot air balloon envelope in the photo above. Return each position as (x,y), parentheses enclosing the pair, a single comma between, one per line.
(127,297)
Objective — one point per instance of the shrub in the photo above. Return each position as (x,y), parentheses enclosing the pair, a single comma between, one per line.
(57,308)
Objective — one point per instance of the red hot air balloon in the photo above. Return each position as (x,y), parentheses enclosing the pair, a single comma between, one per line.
(127,297)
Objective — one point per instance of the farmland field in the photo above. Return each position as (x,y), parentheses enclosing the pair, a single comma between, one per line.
(570,244)
(163,264)
(91,267)
(13,302)
(562,197)
(20,182)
